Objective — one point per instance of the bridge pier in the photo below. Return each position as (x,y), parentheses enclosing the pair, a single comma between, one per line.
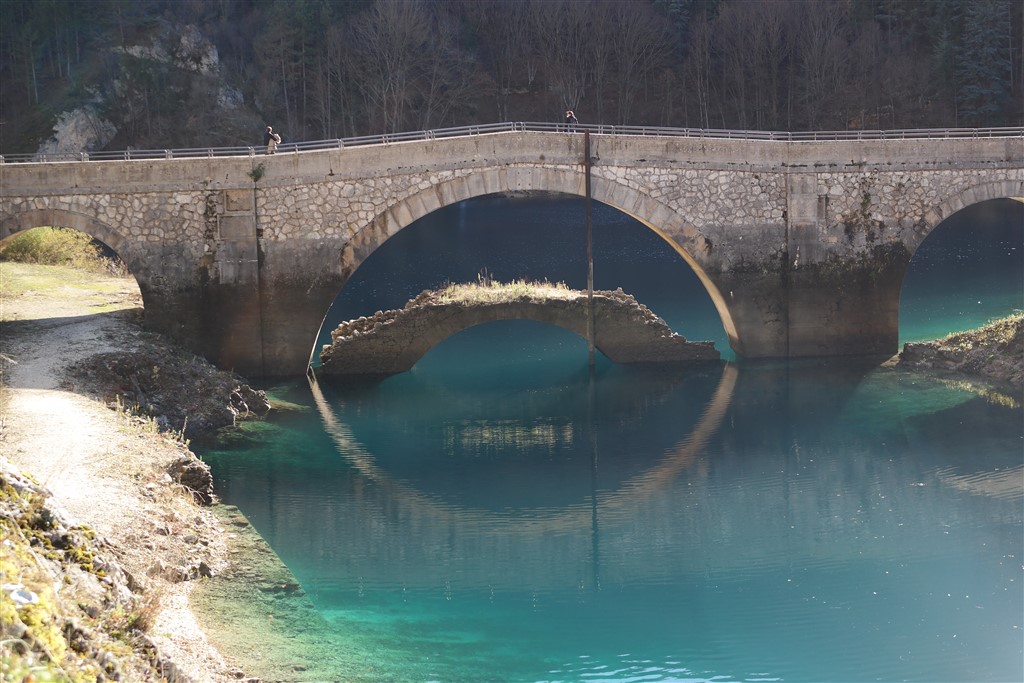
(837,307)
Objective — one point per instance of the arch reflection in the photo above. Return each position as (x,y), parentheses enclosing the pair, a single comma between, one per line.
(438,540)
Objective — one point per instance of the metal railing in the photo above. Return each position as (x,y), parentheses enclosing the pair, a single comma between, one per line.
(519,126)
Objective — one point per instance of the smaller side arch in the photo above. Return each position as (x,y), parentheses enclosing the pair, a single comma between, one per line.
(36,218)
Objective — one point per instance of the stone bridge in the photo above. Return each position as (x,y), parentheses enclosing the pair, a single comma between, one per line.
(390,342)
(801,244)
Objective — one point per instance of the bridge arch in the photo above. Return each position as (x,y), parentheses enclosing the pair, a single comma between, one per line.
(457,324)
(98,230)
(683,238)
(1005,189)
(37,218)
(391,342)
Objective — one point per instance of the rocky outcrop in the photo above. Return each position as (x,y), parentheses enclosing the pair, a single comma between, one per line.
(84,129)
(181,392)
(390,342)
(195,476)
(79,130)
(993,353)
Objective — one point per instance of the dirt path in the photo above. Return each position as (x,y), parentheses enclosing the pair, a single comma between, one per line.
(107,470)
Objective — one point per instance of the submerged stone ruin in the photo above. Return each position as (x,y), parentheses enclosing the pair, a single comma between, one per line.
(390,342)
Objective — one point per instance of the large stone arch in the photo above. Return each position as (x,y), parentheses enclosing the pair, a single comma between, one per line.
(684,238)
(1004,189)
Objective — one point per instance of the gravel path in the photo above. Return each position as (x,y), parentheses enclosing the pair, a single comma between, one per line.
(107,470)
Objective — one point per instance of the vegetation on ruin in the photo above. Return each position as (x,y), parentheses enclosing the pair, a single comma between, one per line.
(487,290)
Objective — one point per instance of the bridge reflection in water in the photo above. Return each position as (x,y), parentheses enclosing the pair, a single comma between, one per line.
(665,515)
(570,535)
(440,534)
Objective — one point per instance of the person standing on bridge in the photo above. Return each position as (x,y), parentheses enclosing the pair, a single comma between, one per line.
(570,121)
(271,139)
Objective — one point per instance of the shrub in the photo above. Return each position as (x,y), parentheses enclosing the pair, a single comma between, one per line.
(62,247)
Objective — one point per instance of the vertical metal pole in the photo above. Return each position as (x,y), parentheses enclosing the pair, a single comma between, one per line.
(590,253)
(595,535)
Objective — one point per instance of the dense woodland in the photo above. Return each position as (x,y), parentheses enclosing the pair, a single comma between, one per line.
(322,69)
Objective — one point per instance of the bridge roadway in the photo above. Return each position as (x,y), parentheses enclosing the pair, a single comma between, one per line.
(801,243)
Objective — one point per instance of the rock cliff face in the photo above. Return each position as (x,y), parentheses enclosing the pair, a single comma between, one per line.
(79,130)
(390,342)
(184,48)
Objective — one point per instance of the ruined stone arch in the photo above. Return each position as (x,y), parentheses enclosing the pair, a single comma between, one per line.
(1005,189)
(684,238)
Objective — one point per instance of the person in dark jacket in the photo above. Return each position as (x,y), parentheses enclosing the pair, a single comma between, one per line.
(570,121)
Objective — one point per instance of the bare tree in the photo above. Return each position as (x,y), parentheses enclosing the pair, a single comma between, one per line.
(506,47)
(384,46)
(730,46)
(642,46)
(697,69)
(448,75)
(822,56)
(562,31)
(768,52)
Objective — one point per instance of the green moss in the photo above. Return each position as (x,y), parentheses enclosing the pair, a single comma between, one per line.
(43,622)
(36,640)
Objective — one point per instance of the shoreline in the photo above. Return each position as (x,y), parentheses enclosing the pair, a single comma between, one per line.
(106,471)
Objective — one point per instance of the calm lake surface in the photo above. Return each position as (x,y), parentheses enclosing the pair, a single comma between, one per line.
(503,513)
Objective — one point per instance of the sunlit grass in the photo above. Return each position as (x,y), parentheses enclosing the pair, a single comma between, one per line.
(486,290)
(994,333)
(100,292)
(60,247)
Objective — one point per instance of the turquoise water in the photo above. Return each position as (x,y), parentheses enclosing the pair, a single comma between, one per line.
(503,513)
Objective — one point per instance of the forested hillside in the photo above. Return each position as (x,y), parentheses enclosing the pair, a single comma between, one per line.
(176,73)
